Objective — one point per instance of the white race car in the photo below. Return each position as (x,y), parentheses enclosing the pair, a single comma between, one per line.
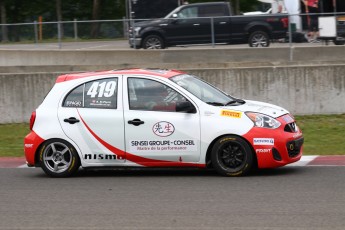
(156,118)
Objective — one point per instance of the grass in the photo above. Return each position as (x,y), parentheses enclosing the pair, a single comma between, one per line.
(12,139)
(324,135)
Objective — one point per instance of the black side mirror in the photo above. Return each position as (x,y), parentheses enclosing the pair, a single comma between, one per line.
(185,106)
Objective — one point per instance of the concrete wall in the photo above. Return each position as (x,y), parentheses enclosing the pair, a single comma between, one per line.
(123,58)
(300,89)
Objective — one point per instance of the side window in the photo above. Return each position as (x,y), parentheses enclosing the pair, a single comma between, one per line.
(189,12)
(213,11)
(75,97)
(100,94)
(151,95)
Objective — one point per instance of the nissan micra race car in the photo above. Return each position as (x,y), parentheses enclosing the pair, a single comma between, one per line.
(156,118)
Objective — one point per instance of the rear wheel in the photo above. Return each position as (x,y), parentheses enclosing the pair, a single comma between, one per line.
(232,156)
(259,39)
(153,42)
(338,43)
(58,158)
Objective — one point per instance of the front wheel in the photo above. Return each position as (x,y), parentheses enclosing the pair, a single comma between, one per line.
(259,39)
(58,158)
(153,42)
(232,156)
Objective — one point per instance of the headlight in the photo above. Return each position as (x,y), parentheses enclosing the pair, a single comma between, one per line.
(263,121)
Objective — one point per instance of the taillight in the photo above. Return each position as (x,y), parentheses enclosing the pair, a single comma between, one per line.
(285,22)
(32,119)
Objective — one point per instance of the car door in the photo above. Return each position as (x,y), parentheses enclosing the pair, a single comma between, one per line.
(220,18)
(186,27)
(91,116)
(155,133)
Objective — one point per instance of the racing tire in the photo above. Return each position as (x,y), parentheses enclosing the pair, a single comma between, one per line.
(58,158)
(153,42)
(259,39)
(232,156)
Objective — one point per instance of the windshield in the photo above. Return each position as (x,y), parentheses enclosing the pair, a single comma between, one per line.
(202,90)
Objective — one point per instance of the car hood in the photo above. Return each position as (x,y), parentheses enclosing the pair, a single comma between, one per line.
(259,107)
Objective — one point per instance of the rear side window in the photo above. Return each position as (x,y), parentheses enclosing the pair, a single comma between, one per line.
(213,11)
(101,94)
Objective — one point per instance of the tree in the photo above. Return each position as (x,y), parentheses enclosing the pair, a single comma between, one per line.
(59,17)
(95,16)
(4,29)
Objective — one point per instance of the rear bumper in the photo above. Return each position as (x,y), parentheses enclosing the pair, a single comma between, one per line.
(32,142)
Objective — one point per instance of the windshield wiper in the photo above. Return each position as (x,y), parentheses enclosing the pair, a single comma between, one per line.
(215,103)
(240,101)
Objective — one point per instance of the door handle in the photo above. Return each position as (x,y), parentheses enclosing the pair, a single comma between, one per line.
(136,122)
(71,120)
(196,24)
(222,23)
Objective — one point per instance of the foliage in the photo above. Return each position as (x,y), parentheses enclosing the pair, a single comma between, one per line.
(19,11)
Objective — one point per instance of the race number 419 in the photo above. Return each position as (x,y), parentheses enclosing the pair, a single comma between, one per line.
(104,89)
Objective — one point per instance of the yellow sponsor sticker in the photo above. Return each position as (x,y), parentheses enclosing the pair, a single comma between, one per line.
(230,113)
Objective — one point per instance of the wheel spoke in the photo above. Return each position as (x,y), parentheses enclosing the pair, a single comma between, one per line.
(56,167)
(64,151)
(64,162)
(48,158)
(53,148)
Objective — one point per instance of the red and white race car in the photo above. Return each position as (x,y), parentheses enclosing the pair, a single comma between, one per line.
(156,118)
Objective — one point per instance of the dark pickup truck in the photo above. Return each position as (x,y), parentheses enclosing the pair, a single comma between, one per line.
(195,24)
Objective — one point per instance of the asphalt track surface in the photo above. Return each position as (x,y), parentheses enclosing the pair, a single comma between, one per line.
(307,197)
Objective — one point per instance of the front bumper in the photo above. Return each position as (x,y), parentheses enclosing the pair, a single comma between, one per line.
(277,147)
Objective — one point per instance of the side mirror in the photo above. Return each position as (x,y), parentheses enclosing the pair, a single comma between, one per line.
(174,16)
(185,106)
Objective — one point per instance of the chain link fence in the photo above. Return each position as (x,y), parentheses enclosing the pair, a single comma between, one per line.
(69,31)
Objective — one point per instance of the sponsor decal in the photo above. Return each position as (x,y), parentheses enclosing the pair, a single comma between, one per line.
(263,151)
(230,113)
(161,146)
(100,103)
(263,141)
(101,156)
(28,145)
(73,103)
(227,139)
(163,129)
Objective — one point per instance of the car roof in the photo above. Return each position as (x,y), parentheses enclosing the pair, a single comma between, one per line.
(153,72)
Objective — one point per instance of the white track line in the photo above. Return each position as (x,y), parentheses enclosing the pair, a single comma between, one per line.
(305,160)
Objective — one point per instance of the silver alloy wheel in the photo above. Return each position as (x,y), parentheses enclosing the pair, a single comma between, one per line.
(153,43)
(259,40)
(57,157)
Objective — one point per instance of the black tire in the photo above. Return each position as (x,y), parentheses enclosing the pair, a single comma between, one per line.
(338,43)
(153,42)
(232,156)
(259,39)
(58,158)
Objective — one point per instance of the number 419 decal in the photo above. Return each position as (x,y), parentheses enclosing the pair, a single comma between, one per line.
(104,89)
